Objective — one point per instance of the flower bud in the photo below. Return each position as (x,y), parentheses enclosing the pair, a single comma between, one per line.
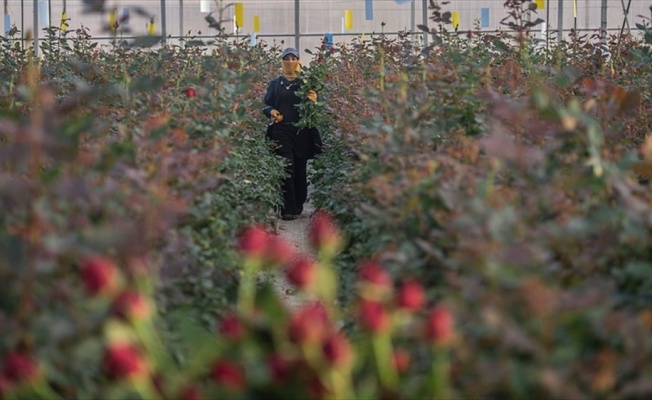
(309,324)
(302,273)
(229,375)
(280,368)
(231,327)
(401,360)
(124,361)
(20,367)
(252,243)
(410,296)
(132,306)
(323,234)
(100,275)
(279,251)
(337,350)
(373,316)
(374,281)
(439,326)
(191,393)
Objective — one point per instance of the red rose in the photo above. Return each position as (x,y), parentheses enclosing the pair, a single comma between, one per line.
(337,350)
(278,250)
(280,367)
(253,242)
(439,326)
(228,374)
(374,282)
(373,316)
(191,393)
(410,296)
(125,361)
(100,275)
(302,273)
(323,234)
(401,360)
(132,306)
(231,327)
(374,274)
(309,324)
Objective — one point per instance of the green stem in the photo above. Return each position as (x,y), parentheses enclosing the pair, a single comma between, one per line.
(247,288)
(440,371)
(341,383)
(382,347)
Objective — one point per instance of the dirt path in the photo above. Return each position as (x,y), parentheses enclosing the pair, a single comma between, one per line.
(296,233)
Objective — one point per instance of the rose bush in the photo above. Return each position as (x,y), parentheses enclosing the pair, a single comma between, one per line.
(492,195)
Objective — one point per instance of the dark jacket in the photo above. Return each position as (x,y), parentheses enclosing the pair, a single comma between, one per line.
(308,142)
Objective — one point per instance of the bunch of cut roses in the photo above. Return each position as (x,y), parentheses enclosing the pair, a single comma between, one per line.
(314,77)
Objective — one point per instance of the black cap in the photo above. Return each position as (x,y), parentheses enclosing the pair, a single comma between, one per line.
(290,50)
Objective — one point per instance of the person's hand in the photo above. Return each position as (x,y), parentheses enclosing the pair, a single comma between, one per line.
(276,116)
(312,96)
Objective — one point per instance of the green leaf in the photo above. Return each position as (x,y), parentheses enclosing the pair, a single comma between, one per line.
(145,41)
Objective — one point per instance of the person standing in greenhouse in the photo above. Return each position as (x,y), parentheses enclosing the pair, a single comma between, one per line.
(296,145)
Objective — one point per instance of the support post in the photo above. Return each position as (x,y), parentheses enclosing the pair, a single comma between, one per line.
(547,26)
(412,20)
(560,20)
(35,14)
(182,34)
(297,35)
(424,12)
(603,21)
(163,22)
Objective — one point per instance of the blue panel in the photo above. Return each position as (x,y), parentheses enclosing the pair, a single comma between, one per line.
(7,24)
(125,17)
(329,40)
(484,18)
(369,9)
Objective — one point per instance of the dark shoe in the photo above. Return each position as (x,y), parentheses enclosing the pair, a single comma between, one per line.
(288,217)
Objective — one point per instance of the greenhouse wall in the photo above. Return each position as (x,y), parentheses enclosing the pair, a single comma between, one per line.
(274,21)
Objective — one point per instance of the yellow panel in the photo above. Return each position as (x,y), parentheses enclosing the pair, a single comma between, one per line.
(64,22)
(112,20)
(541,4)
(456,19)
(348,19)
(256,24)
(239,15)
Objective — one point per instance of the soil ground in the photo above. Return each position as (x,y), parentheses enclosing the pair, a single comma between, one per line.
(296,233)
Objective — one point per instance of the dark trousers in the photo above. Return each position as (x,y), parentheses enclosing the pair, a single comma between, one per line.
(295,186)
(296,148)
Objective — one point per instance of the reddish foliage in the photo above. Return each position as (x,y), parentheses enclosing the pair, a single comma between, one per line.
(20,366)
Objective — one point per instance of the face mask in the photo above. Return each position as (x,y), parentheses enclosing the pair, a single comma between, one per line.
(290,67)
